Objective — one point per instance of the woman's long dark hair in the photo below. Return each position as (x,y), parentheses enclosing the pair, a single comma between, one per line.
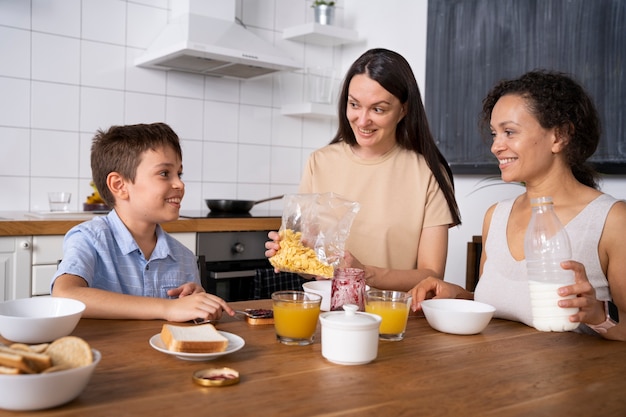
(394,74)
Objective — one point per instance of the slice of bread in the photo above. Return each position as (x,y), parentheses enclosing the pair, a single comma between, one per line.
(203,338)
(37,362)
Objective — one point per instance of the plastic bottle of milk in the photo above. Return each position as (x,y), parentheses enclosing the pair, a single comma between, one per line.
(546,244)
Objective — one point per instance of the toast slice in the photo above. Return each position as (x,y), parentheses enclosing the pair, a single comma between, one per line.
(34,361)
(203,338)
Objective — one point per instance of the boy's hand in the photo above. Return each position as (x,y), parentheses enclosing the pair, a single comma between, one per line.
(185,289)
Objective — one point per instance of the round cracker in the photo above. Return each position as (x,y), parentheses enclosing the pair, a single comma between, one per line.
(70,351)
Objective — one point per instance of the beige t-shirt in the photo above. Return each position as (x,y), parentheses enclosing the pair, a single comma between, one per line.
(398,193)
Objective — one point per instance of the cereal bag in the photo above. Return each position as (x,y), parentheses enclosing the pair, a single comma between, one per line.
(313,233)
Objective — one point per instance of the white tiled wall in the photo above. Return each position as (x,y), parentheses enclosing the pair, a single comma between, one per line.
(67,70)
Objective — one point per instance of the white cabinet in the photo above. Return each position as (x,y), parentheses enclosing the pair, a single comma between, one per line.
(15,261)
(47,252)
(187,239)
(28,263)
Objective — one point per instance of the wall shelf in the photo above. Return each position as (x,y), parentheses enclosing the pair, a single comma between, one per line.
(313,110)
(326,35)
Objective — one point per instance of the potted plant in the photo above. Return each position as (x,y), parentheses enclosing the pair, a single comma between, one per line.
(324,11)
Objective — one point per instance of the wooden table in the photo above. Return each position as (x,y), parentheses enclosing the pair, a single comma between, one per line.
(508,370)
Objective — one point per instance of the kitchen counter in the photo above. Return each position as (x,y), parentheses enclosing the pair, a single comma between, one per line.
(30,224)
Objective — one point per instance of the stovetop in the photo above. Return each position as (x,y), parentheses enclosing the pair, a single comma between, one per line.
(206,214)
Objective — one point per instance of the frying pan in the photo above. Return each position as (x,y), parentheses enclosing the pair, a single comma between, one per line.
(236,206)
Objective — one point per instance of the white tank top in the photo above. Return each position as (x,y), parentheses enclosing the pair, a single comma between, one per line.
(504,283)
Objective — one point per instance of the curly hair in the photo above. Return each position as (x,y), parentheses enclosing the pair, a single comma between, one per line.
(557,101)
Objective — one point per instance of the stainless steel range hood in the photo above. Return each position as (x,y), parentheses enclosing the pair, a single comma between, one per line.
(205,38)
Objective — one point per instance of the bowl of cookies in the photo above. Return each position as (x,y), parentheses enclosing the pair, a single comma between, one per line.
(39,319)
(36,377)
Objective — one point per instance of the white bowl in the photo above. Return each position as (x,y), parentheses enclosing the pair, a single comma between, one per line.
(39,391)
(321,287)
(39,319)
(457,316)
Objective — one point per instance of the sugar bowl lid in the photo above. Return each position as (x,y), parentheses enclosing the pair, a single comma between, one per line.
(350,318)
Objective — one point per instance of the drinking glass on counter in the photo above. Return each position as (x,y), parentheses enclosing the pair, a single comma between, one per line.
(295,316)
(59,200)
(393,308)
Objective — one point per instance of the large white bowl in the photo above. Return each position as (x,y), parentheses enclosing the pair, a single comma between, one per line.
(457,316)
(39,319)
(39,391)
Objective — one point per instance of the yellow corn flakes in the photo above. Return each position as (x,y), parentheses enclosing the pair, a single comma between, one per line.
(293,256)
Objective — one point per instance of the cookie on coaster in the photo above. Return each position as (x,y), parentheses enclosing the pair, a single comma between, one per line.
(70,351)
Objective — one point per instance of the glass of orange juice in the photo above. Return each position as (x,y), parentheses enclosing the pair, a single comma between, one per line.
(295,316)
(393,308)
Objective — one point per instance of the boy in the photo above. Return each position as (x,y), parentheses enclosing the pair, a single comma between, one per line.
(123,265)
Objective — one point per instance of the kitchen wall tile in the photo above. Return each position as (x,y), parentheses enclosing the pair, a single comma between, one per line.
(253,164)
(218,191)
(143,108)
(57,17)
(104,21)
(286,166)
(54,154)
(102,65)
(317,132)
(254,192)
(222,89)
(156,3)
(192,160)
(289,13)
(15,193)
(16,14)
(15,155)
(290,88)
(220,121)
(143,80)
(15,54)
(257,91)
(14,102)
(193,196)
(258,13)
(54,106)
(46,63)
(143,24)
(255,125)
(184,115)
(219,162)
(286,130)
(100,108)
(84,156)
(183,84)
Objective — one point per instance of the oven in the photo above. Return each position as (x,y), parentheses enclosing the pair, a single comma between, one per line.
(235,267)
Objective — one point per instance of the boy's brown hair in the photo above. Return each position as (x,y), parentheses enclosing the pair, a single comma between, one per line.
(119,149)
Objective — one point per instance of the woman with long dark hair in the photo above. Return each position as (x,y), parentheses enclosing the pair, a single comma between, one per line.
(384,157)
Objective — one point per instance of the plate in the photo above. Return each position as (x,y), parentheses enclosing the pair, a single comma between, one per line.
(234,344)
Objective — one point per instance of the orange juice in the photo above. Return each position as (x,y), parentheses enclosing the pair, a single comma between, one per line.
(295,320)
(393,313)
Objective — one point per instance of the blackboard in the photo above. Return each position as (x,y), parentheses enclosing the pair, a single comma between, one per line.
(473,44)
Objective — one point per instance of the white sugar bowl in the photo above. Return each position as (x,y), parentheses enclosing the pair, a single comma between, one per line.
(349,337)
